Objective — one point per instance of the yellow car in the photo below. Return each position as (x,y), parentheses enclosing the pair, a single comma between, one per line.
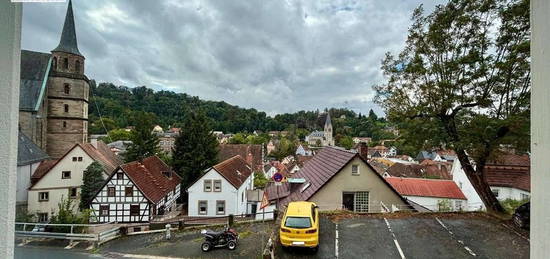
(300,225)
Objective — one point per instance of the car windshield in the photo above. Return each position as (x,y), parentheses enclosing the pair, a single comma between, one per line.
(298,222)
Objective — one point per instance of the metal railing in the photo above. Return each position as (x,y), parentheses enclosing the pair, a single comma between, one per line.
(40,230)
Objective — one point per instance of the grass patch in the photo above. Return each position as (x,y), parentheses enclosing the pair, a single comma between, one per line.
(198,239)
(245,234)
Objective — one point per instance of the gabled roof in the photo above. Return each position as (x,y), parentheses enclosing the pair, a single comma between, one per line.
(68,42)
(252,154)
(419,171)
(34,75)
(41,170)
(235,170)
(317,133)
(426,187)
(509,170)
(28,152)
(148,176)
(102,154)
(321,168)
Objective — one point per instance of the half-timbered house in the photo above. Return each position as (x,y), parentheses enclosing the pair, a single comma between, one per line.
(137,192)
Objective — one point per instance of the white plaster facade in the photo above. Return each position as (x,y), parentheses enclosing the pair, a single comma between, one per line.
(24,174)
(234,198)
(503,193)
(56,186)
(462,181)
(433,203)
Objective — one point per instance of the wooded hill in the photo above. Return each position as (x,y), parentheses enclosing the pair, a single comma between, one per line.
(119,105)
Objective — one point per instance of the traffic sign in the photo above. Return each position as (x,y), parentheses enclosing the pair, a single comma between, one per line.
(277,177)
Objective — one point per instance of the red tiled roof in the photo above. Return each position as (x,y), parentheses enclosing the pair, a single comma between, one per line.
(426,187)
(235,170)
(303,159)
(509,170)
(41,170)
(148,177)
(252,154)
(419,171)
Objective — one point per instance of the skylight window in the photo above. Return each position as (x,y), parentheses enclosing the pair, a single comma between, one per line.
(305,187)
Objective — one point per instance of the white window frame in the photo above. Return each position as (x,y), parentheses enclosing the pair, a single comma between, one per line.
(215,189)
(218,202)
(44,199)
(207,185)
(357,207)
(205,207)
(357,172)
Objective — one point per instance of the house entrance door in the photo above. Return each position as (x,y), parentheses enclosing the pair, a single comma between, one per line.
(347,200)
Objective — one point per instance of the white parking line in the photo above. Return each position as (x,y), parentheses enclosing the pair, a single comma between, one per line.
(336,242)
(454,237)
(395,240)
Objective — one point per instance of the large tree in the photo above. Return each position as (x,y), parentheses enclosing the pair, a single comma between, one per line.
(462,82)
(145,142)
(92,181)
(195,148)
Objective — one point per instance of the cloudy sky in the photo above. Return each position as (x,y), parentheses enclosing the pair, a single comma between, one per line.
(273,55)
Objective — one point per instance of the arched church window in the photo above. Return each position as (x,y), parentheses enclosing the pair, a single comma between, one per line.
(54,63)
(66,63)
(77,66)
(67,89)
(66,108)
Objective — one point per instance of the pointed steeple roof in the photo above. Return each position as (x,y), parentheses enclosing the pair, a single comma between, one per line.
(327,121)
(68,36)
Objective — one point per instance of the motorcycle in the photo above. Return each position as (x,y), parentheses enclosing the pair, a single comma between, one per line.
(226,238)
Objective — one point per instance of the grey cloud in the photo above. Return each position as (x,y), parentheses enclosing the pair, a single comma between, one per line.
(275,56)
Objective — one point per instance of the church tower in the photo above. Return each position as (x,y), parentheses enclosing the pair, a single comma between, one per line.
(329,141)
(68,91)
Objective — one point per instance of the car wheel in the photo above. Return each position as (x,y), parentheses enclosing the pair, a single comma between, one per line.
(518,221)
(206,246)
(232,245)
(315,249)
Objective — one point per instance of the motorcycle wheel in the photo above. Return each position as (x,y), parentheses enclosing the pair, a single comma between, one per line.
(232,245)
(206,246)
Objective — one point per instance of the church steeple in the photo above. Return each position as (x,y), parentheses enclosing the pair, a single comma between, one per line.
(68,42)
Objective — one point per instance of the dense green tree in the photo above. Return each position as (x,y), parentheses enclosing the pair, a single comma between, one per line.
(462,82)
(284,148)
(144,142)
(260,181)
(195,148)
(92,181)
(116,135)
(346,142)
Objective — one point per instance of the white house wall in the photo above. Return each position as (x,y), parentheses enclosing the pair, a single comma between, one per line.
(459,177)
(234,204)
(510,193)
(432,203)
(119,206)
(24,174)
(56,186)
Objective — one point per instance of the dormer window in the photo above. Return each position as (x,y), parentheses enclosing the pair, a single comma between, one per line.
(66,88)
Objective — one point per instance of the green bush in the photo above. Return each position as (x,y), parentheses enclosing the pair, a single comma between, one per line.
(510,205)
(67,214)
(260,180)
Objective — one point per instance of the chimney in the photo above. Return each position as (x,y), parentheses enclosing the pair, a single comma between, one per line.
(363,150)
(93,141)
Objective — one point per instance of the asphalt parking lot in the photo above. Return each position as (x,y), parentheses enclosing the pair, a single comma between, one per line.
(186,244)
(433,236)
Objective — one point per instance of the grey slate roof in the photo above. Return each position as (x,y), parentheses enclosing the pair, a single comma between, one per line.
(68,42)
(317,134)
(28,152)
(327,121)
(34,70)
